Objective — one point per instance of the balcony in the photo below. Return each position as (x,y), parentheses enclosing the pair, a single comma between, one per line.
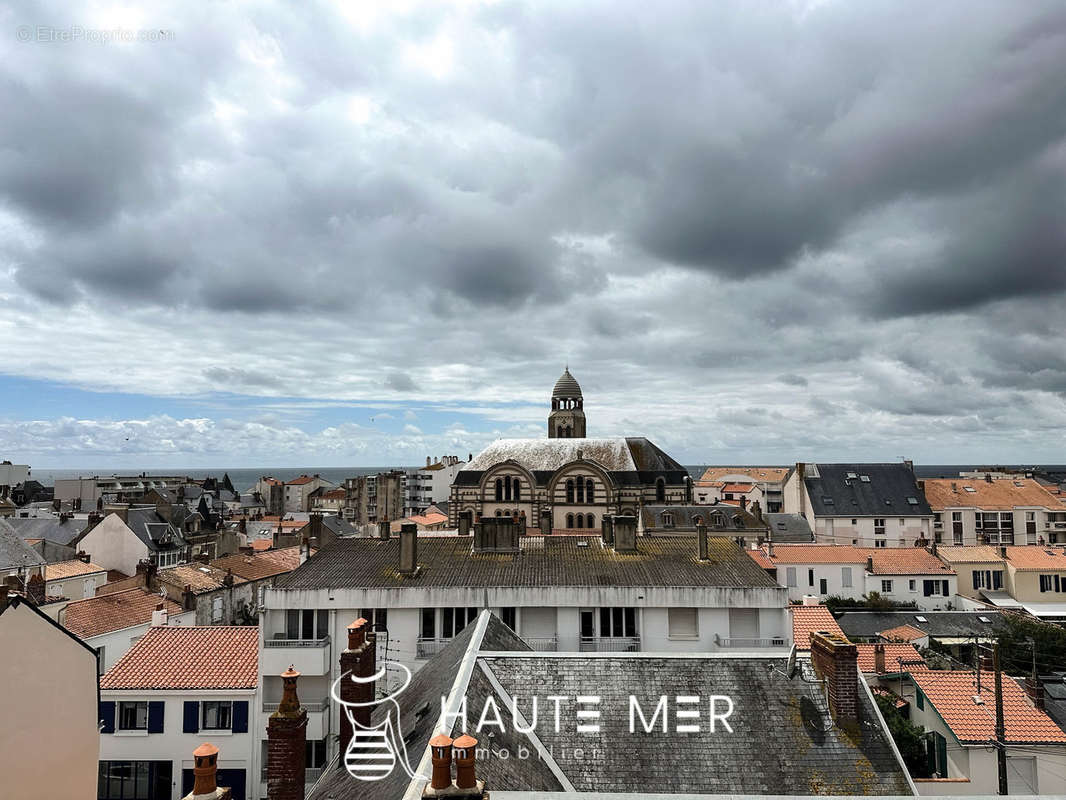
(609,644)
(427,648)
(542,643)
(749,643)
(309,656)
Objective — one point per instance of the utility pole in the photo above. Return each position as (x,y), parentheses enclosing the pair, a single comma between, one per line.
(1001,734)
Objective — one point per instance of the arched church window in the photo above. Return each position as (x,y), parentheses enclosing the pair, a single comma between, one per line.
(507,488)
(499,490)
(498,514)
(590,521)
(569,490)
(660,490)
(580,491)
(590,491)
(569,520)
(558,431)
(517,491)
(580,521)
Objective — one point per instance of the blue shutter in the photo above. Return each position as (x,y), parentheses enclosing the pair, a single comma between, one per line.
(107,716)
(191,717)
(240,716)
(155,716)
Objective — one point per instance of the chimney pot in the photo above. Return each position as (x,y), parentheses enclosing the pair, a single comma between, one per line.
(205,770)
(442,761)
(465,748)
(357,634)
(879,658)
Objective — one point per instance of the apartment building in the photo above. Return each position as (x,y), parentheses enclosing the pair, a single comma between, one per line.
(1024,577)
(560,593)
(729,484)
(867,505)
(298,492)
(431,484)
(995,510)
(370,499)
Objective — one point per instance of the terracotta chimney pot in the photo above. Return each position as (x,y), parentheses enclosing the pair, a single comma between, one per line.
(464,748)
(442,761)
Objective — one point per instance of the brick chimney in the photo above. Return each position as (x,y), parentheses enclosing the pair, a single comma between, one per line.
(625,533)
(384,529)
(1034,690)
(286,740)
(879,658)
(35,589)
(701,537)
(408,548)
(205,787)
(357,660)
(835,660)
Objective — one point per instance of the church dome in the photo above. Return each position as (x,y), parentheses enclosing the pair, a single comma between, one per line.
(566,386)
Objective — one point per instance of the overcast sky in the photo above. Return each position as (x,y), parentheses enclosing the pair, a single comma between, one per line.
(358,233)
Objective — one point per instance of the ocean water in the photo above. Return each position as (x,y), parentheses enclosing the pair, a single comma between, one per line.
(243,477)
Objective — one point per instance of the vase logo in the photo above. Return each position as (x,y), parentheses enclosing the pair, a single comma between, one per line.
(374,750)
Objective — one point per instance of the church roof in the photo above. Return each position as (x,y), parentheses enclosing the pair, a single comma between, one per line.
(566,386)
(619,454)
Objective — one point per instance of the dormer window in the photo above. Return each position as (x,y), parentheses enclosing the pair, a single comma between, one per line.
(668,519)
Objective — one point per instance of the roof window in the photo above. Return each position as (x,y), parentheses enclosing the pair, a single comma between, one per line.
(864,478)
(920,618)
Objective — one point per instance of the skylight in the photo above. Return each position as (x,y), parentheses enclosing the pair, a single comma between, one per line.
(984,619)
(912,500)
(920,618)
(827,500)
(864,478)
(970,489)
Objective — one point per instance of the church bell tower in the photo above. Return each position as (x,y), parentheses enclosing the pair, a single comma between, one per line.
(567,419)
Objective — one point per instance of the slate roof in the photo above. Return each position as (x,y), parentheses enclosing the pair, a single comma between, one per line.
(154,531)
(260,565)
(114,612)
(180,657)
(15,553)
(997,495)
(781,725)
(939,624)
(542,561)
(71,569)
(631,460)
(952,693)
(685,518)
(889,492)
(789,528)
(51,528)
(809,619)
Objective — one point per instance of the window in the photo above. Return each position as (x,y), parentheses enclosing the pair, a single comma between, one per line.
(217,715)
(580,519)
(580,490)
(845,577)
(668,519)
(880,543)
(590,491)
(569,520)
(134,780)
(315,753)
(854,522)
(590,521)
(216,609)
(306,623)
(618,622)
(509,617)
(879,527)
(517,491)
(428,628)
(133,715)
(912,585)
(499,490)
(168,558)
(377,618)
(790,577)
(569,493)
(810,577)
(1046,583)
(988,579)
(660,491)
(823,586)
(886,587)
(683,623)
(453,620)
(101,660)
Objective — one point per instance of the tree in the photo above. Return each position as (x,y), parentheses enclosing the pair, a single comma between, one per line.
(870,602)
(1017,637)
(909,738)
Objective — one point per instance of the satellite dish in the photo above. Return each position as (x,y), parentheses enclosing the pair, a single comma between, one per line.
(790,665)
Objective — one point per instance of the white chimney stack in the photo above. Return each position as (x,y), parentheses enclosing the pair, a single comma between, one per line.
(159,616)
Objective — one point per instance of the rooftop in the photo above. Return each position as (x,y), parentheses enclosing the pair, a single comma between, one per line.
(260,565)
(997,495)
(808,619)
(756,474)
(789,528)
(970,554)
(15,553)
(70,569)
(1036,558)
(894,651)
(865,490)
(630,454)
(54,529)
(200,578)
(180,657)
(886,560)
(542,561)
(567,386)
(113,612)
(903,633)
(952,693)
(938,624)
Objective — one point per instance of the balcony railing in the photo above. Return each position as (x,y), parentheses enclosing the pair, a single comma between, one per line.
(749,642)
(609,644)
(427,648)
(321,705)
(282,642)
(543,643)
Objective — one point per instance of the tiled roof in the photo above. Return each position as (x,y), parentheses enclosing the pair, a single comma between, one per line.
(907,561)
(333,494)
(262,544)
(262,565)
(582,561)
(429,519)
(299,481)
(742,488)
(808,619)
(760,558)
(210,657)
(70,569)
(893,652)
(768,474)
(952,692)
(971,554)
(904,633)
(113,612)
(199,578)
(997,495)
(1036,558)
(819,554)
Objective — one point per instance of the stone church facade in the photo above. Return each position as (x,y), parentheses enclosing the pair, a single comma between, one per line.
(567,481)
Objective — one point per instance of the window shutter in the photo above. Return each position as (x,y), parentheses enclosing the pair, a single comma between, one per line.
(240,716)
(155,716)
(107,716)
(191,717)
(944,588)
(976,579)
